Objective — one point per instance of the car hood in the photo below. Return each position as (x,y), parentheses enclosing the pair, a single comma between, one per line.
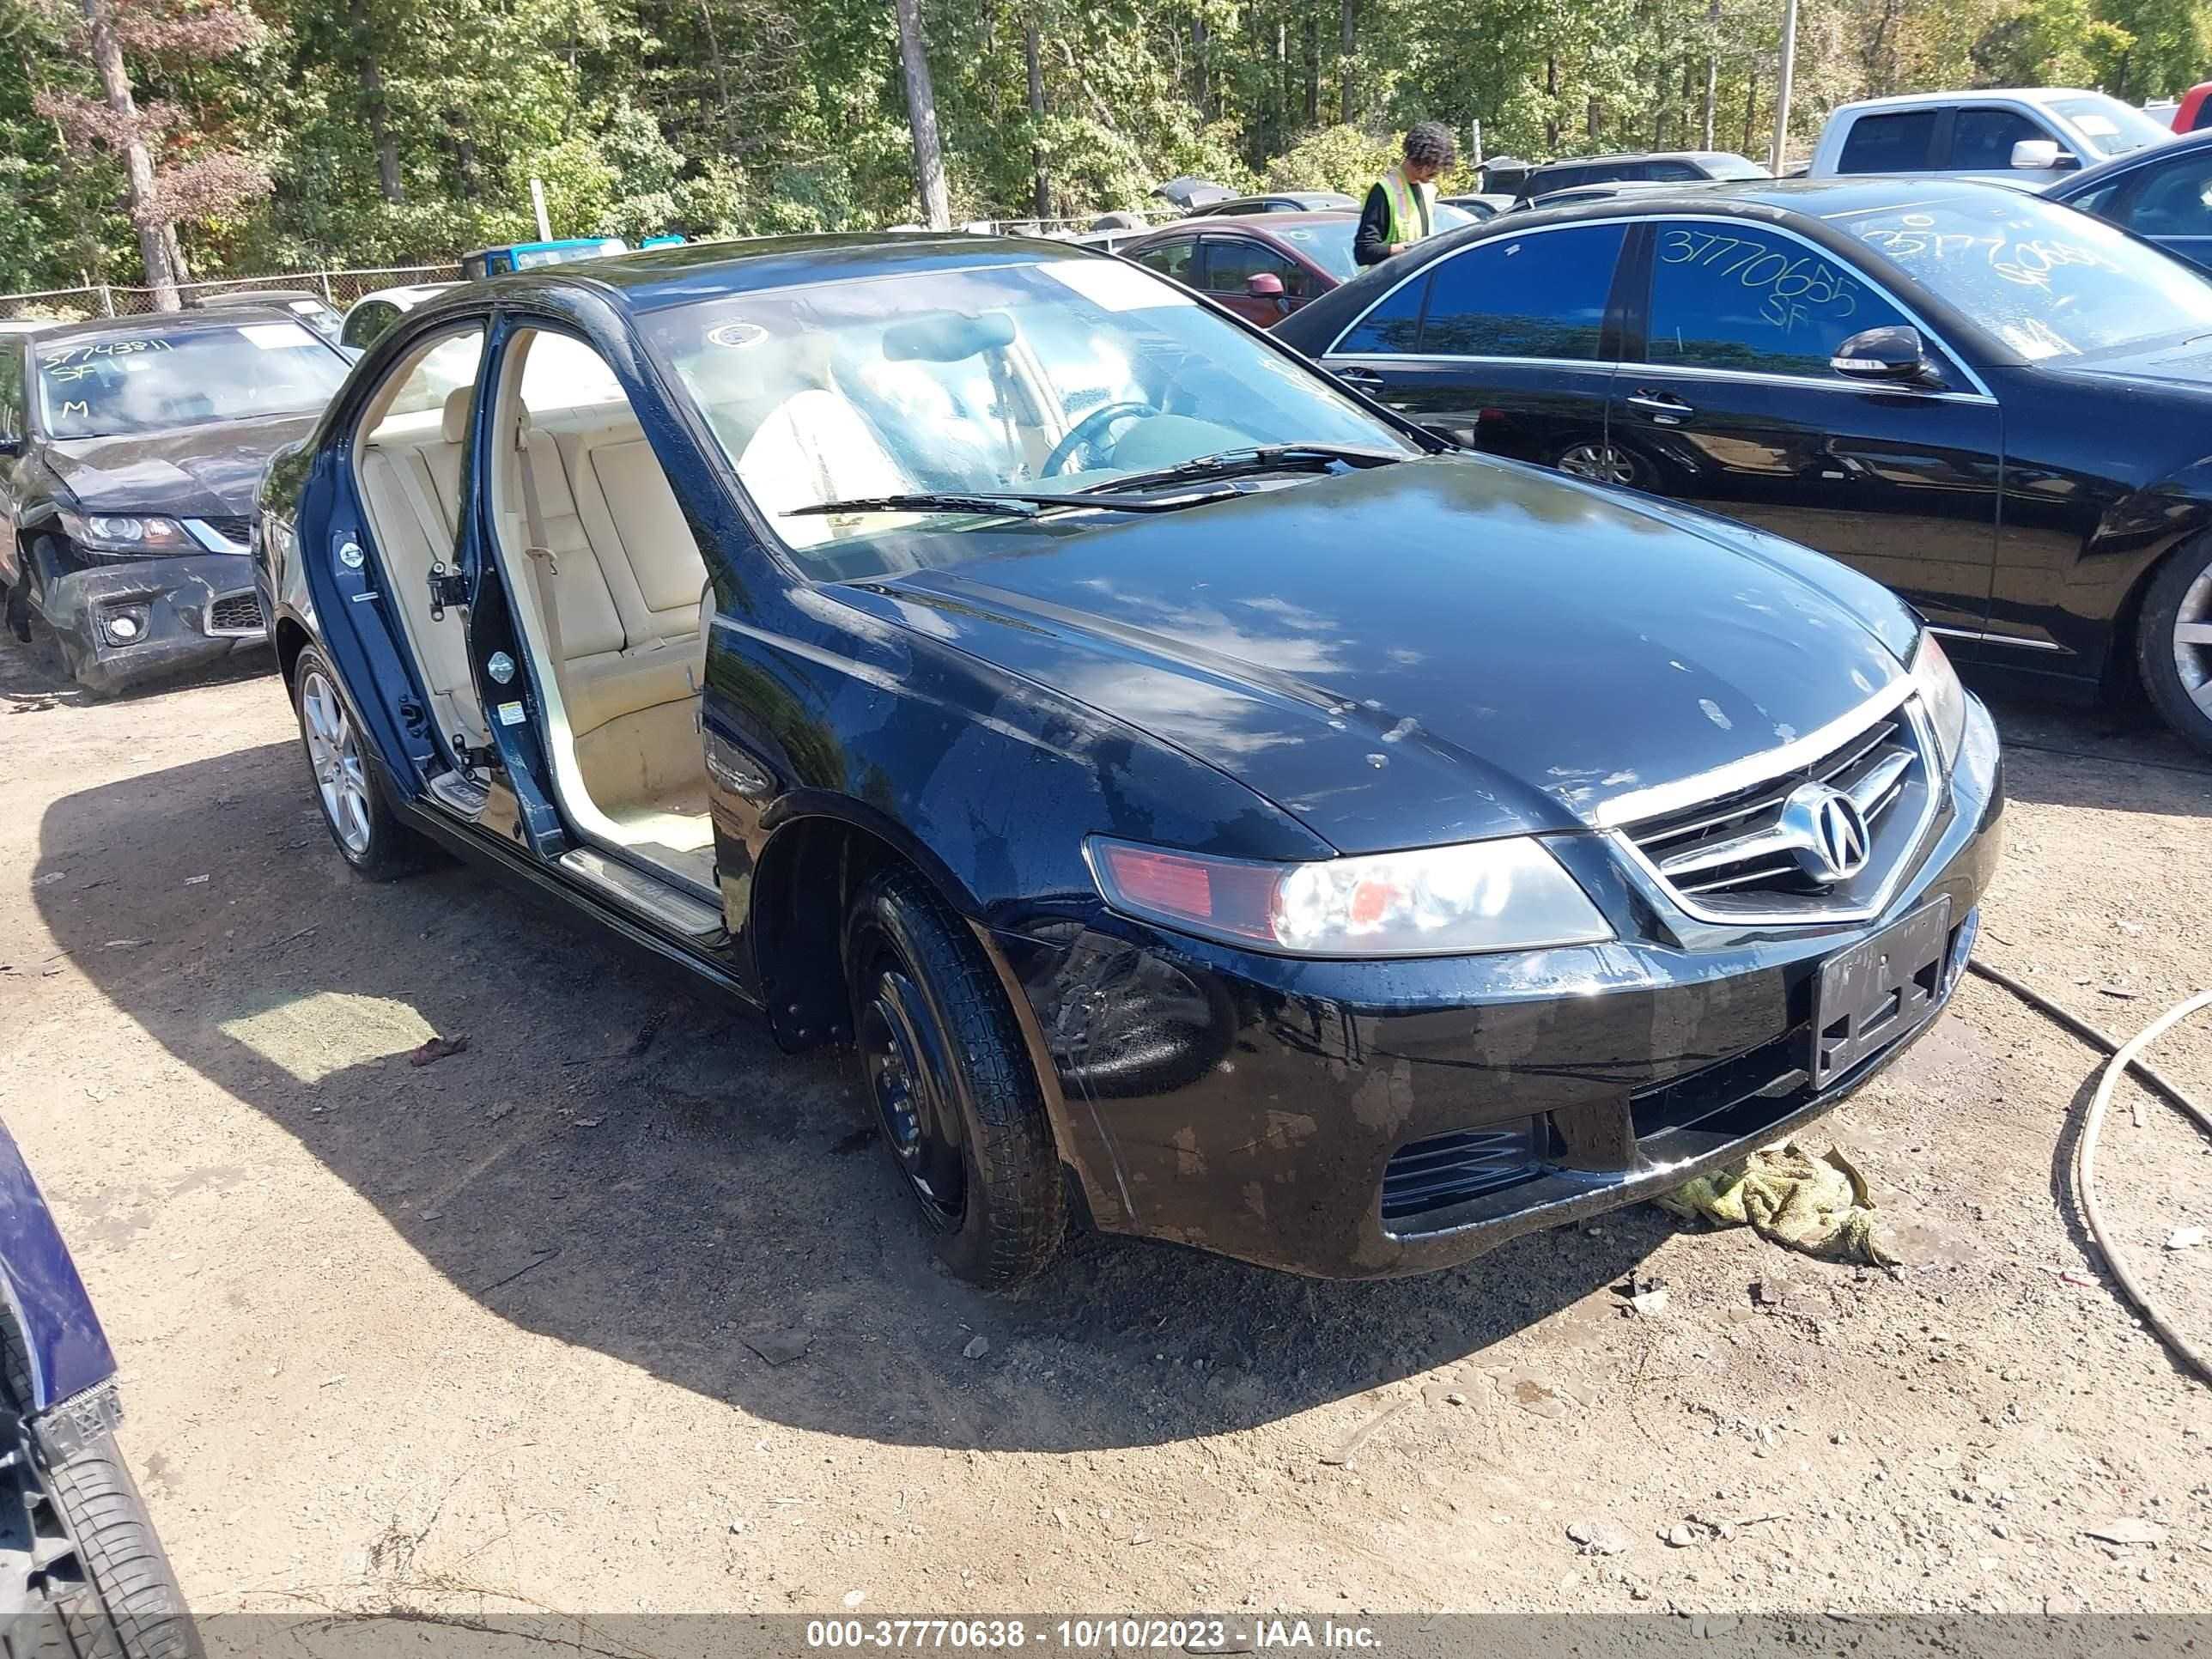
(1439,650)
(193,472)
(2162,368)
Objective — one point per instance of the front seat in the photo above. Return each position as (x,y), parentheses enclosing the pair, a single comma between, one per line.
(813,446)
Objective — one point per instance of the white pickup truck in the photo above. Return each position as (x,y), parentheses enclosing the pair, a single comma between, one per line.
(2025,135)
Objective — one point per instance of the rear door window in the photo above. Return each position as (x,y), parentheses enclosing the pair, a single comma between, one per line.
(1899,143)
(1537,295)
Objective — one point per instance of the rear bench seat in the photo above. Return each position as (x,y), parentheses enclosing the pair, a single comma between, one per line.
(627,580)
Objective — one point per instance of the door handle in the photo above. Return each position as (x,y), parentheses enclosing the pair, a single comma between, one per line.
(1663,407)
(1365,379)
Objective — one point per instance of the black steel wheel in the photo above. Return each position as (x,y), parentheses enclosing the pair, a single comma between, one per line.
(949,1079)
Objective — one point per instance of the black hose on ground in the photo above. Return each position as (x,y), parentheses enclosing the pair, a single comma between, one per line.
(2123,1056)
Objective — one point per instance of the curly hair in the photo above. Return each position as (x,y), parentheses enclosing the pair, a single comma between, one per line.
(1431,144)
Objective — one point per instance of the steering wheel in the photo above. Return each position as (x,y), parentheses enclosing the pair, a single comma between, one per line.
(1088,430)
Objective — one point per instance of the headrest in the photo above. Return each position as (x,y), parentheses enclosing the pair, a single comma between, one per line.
(454,426)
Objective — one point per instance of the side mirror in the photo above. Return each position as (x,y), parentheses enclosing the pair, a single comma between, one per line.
(1264,285)
(2042,154)
(1896,355)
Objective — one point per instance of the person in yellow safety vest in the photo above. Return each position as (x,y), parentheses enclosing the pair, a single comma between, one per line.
(1402,208)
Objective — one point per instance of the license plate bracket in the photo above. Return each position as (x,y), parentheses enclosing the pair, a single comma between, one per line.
(1873,993)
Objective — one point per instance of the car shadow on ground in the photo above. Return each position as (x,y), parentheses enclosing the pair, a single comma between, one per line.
(2118,759)
(621,1161)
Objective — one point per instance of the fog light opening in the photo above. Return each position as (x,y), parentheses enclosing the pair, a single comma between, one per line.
(123,628)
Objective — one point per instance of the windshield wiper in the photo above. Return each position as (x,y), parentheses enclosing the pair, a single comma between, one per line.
(1261,458)
(1010,504)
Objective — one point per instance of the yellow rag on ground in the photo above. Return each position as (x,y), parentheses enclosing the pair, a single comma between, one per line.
(1816,1205)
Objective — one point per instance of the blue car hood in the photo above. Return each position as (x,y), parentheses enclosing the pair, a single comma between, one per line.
(1434,651)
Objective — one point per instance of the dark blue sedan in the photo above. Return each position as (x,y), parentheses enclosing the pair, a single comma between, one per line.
(1206,803)
(2163,193)
(80,1570)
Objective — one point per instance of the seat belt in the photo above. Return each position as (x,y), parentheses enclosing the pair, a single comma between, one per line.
(543,566)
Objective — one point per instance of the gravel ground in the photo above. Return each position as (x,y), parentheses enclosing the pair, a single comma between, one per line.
(518,1329)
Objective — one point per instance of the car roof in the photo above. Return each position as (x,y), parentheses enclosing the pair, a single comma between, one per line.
(661,277)
(408,293)
(1819,198)
(1981,95)
(1613,156)
(196,319)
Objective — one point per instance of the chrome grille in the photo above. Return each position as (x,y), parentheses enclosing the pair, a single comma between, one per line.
(236,530)
(1743,856)
(235,613)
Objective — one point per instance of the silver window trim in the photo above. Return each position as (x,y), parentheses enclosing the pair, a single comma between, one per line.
(1983,636)
(1725,780)
(1981,393)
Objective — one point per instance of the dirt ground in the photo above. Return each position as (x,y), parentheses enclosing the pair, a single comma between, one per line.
(479,1335)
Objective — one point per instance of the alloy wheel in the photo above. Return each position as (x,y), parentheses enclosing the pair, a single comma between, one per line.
(909,1082)
(1600,463)
(335,754)
(2193,640)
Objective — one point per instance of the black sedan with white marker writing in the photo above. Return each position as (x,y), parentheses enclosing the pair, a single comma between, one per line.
(129,453)
(1997,406)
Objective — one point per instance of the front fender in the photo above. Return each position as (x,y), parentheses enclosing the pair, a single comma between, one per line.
(66,1350)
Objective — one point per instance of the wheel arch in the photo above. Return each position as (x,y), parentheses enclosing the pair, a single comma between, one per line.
(291,637)
(819,852)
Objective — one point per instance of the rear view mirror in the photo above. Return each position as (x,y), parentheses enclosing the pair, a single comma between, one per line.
(1895,354)
(946,337)
(1264,285)
(2040,154)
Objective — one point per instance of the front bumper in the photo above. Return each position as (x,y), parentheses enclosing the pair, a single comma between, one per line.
(1256,1106)
(188,612)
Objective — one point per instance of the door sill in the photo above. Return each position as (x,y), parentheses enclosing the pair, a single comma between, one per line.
(634,890)
(463,796)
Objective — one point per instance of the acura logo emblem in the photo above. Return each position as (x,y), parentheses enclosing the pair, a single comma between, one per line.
(1828,832)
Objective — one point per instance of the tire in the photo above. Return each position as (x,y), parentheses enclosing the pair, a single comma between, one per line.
(82,1575)
(1603,463)
(2173,642)
(949,1076)
(362,827)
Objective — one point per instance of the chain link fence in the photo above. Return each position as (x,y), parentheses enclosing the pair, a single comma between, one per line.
(339,289)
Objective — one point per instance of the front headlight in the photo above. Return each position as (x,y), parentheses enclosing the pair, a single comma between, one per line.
(114,532)
(1941,695)
(1507,895)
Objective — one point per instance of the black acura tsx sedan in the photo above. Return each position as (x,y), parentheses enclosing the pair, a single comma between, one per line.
(1206,804)
(1999,407)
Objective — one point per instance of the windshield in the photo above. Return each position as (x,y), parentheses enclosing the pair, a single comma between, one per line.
(2048,280)
(124,383)
(1053,377)
(2112,127)
(1329,245)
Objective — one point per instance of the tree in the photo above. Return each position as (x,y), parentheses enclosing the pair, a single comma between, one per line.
(200,180)
(921,111)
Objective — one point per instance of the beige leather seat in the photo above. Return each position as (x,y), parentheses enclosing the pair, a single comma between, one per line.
(414,529)
(626,585)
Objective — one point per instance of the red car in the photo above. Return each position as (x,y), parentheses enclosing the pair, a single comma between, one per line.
(1261,266)
(2193,111)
